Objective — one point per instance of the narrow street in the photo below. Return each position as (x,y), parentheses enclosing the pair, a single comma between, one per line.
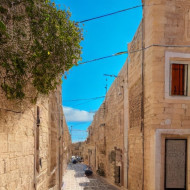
(75,179)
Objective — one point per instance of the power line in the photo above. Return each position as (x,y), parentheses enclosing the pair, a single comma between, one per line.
(109,14)
(123,10)
(86,102)
(81,123)
(134,51)
(109,56)
(110,75)
(79,130)
(74,100)
(83,103)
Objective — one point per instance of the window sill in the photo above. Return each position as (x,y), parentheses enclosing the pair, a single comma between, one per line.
(176,97)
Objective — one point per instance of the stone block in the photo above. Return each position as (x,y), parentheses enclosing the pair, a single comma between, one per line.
(13,164)
(3,147)
(3,180)
(3,137)
(2,167)
(3,188)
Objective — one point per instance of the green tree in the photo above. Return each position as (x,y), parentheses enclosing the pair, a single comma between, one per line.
(38,43)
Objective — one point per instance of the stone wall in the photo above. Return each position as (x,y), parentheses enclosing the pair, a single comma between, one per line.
(166,24)
(55,142)
(67,143)
(151,114)
(165,33)
(16,150)
(135,166)
(20,165)
(104,146)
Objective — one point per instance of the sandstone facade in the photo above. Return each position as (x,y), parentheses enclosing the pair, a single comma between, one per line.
(67,145)
(141,133)
(33,144)
(105,144)
(77,149)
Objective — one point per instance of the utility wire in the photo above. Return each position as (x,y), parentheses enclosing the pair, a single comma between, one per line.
(79,130)
(74,100)
(109,56)
(84,102)
(82,123)
(109,14)
(134,51)
(91,100)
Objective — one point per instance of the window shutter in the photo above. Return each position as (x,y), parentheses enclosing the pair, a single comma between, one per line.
(178,76)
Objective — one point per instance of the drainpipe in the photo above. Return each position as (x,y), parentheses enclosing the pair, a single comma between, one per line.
(35,184)
(95,156)
(59,142)
(142,97)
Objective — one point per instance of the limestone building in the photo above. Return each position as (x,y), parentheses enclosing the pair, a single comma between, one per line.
(34,144)
(67,145)
(77,149)
(154,154)
(104,148)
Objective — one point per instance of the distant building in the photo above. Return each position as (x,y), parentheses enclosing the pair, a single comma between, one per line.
(77,149)
(141,133)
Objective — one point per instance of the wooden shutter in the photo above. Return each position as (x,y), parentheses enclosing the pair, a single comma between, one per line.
(178,79)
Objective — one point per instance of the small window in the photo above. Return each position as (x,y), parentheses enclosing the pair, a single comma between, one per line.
(179,79)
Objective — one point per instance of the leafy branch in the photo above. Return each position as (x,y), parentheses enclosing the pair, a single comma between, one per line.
(38,44)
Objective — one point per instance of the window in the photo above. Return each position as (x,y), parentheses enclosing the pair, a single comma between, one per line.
(179,76)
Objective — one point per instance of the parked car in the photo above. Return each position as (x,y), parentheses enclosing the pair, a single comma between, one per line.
(79,159)
(73,160)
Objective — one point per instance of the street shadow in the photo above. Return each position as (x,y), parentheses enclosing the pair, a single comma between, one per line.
(90,182)
(78,168)
(79,174)
(96,184)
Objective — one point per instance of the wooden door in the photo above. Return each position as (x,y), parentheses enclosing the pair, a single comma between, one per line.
(175,164)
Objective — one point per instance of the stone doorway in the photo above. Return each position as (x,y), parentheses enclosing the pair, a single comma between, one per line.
(175,164)
(118,167)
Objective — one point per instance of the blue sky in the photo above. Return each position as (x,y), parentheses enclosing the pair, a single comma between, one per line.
(102,37)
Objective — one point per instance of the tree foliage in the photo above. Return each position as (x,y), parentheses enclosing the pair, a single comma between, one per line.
(38,42)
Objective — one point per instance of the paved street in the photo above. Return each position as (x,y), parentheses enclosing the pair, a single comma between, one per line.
(75,179)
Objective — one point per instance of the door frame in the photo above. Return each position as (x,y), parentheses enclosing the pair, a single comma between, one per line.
(157,151)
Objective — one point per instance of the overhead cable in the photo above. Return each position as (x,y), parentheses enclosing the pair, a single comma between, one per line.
(123,10)
(84,103)
(109,14)
(74,100)
(134,51)
(109,56)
